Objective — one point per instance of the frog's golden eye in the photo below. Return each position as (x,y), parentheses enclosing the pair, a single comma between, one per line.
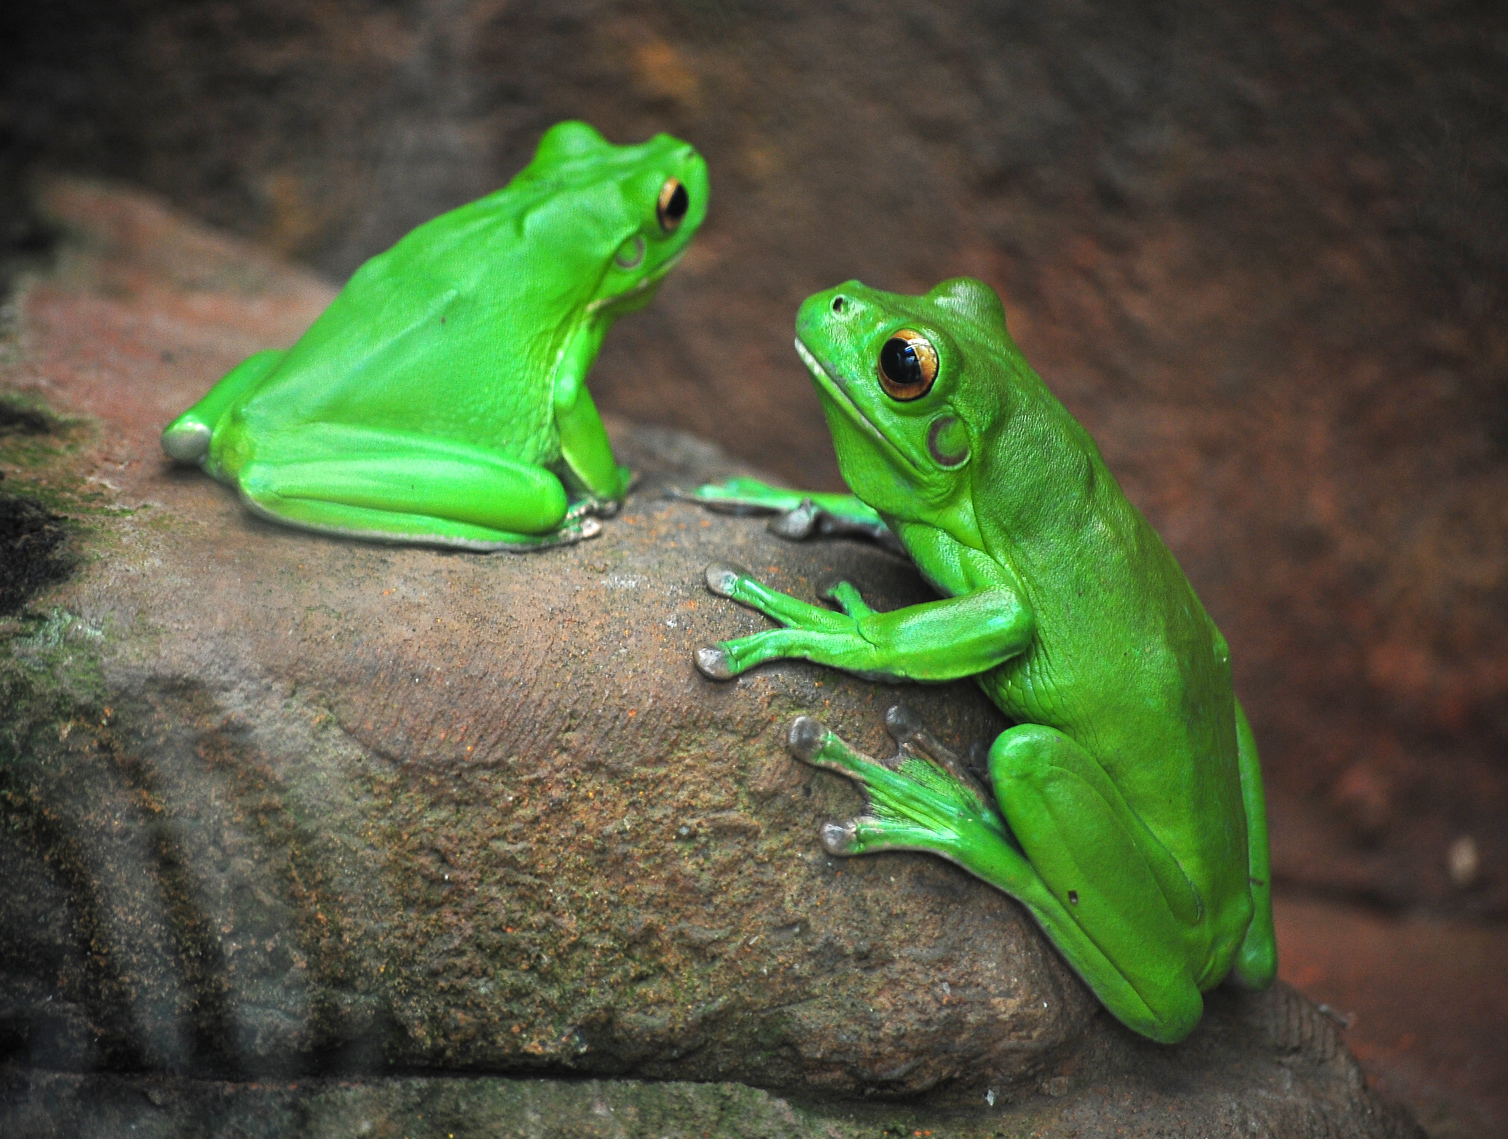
(908,365)
(673,204)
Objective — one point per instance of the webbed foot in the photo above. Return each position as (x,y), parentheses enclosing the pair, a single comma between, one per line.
(921,798)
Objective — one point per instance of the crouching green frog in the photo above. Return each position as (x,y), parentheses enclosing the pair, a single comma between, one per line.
(1125,808)
(441,398)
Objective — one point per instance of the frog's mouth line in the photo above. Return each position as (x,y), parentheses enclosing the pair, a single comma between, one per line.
(835,385)
(643,284)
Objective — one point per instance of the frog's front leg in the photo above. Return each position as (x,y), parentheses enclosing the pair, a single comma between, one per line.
(392,487)
(940,640)
(1067,848)
(584,445)
(798,514)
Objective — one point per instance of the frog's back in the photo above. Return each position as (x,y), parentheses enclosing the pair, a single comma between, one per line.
(1128,664)
(452,333)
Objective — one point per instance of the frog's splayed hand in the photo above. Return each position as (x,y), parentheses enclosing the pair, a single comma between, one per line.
(713,662)
(922,798)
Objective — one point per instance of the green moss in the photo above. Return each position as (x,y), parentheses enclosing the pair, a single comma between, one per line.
(50,683)
(53,518)
(50,523)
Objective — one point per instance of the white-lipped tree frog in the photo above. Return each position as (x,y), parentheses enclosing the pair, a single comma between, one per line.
(1125,806)
(441,397)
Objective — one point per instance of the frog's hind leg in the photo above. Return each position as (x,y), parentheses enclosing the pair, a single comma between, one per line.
(1114,901)
(1257,960)
(1130,949)
(919,799)
(389,487)
(187,438)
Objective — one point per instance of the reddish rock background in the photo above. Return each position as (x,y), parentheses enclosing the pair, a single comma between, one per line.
(1259,249)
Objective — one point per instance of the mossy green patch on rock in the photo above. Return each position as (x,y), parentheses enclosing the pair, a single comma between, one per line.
(33,537)
(33,550)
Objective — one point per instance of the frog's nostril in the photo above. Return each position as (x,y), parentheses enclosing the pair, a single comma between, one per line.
(838,304)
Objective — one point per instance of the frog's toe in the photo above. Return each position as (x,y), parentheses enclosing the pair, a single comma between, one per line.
(729,498)
(721,578)
(903,724)
(713,663)
(575,530)
(799,523)
(805,739)
(187,442)
(589,508)
(840,839)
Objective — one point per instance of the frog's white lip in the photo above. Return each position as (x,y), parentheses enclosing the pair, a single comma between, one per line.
(846,402)
(648,282)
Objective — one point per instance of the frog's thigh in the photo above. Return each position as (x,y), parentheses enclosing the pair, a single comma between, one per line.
(1082,840)
(371,482)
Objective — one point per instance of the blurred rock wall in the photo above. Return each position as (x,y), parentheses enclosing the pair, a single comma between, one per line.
(1261,250)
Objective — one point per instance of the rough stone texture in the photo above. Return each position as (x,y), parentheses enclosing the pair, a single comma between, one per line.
(457,812)
(1270,1067)
(279,806)
(1259,249)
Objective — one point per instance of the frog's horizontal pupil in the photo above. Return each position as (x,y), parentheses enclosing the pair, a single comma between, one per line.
(900,361)
(908,365)
(679,202)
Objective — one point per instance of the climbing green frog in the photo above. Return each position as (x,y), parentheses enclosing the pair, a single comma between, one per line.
(441,398)
(1125,807)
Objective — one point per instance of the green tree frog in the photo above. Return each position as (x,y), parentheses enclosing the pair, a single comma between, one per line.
(1125,806)
(441,397)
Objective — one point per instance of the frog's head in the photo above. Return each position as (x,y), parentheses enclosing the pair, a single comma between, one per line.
(915,389)
(619,215)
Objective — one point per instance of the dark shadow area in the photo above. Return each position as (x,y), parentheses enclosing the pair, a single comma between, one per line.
(33,550)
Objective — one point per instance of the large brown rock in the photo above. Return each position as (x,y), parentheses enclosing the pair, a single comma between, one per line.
(280,805)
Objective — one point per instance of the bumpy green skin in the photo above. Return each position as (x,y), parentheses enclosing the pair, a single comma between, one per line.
(441,398)
(1130,814)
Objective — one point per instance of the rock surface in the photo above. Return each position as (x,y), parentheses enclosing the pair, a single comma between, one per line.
(281,807)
